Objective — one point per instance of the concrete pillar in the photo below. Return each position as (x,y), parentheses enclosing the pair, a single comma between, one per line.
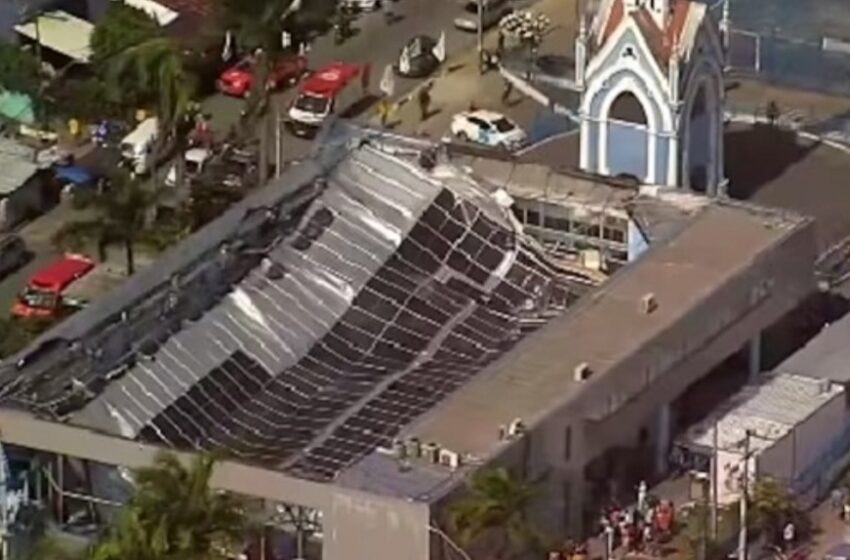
(754,353)
(664,431)
(574,492)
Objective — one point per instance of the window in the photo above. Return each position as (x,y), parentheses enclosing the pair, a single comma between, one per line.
(568,443)
(614,234)
(559,224)
(532,217)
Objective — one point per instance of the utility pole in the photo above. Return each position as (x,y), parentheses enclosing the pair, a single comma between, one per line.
(715,468)
(742,535)
(278,142)
(481,35)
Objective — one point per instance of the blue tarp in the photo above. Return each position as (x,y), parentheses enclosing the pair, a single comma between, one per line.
(74,174)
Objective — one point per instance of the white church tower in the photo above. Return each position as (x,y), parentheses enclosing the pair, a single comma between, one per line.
(651,76)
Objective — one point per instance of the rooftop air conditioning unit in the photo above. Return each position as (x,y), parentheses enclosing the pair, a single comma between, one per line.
(414,450)
(399,450)
(431,452)
(516,428)
(449,459)
(582,372)
(648,303)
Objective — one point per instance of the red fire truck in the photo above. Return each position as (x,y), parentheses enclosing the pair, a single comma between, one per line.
(330,90)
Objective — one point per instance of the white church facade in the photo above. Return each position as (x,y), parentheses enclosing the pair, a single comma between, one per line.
(651,77)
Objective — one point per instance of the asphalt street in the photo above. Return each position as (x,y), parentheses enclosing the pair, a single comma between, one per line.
(374,42)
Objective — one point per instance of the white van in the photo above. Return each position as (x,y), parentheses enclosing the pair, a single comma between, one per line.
(138,146)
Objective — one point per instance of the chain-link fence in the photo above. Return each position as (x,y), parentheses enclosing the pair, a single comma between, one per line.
(823,66)
(790,43)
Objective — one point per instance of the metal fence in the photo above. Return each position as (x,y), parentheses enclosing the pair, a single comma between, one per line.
(822,66)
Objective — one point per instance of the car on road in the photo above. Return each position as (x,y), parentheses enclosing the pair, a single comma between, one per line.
(333,89)
(421,60)
(362,5)
(13,253)
(195,159)
(488,128)
(492,12)
(239,79)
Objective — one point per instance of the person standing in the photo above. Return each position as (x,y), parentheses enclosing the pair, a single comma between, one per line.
(424,99)
(506,93)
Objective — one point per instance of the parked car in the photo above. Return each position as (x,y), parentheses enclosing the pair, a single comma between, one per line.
(13,253)
(421,61)
(492,12)
(238,80)
(362,5)
(488,128)
(194,160)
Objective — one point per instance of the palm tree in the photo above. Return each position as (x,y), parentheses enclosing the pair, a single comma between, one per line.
(156,68)
(496,503)
(175,514)
(121,217)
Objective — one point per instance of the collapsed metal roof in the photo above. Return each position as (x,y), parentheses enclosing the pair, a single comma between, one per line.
(338,324)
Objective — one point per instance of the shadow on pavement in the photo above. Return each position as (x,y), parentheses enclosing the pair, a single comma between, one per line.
(758,155)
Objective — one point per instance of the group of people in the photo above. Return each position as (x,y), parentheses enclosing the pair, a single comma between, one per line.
(638,528)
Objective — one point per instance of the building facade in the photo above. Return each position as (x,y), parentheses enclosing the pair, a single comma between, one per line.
(651,76)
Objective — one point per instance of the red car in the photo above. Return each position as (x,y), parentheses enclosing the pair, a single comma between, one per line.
(237,80)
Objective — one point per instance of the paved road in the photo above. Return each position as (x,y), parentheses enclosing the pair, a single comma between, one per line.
(374,42)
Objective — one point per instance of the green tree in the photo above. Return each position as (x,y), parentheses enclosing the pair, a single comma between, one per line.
(19,69)
(773,506)
(175,514)
(121,27)
(496,504)
(154,68)
(121,216)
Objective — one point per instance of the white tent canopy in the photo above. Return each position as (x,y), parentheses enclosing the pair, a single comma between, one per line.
(161,14)
(60,32)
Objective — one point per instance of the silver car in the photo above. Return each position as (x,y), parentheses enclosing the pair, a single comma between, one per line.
(492,12)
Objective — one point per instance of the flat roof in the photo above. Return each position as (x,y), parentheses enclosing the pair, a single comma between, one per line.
(61,32)
(826,356)
(17,163)
(604,328)
(769,408)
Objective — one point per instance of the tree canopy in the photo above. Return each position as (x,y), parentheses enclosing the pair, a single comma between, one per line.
(121,27)
(19,70)
(496,502)
(174,513)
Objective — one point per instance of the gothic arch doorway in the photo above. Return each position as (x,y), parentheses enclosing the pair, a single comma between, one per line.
(627,146)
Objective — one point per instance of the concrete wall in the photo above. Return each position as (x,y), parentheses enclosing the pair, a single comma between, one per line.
(704,337)
(355,525)
(359,525)
(659,373)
